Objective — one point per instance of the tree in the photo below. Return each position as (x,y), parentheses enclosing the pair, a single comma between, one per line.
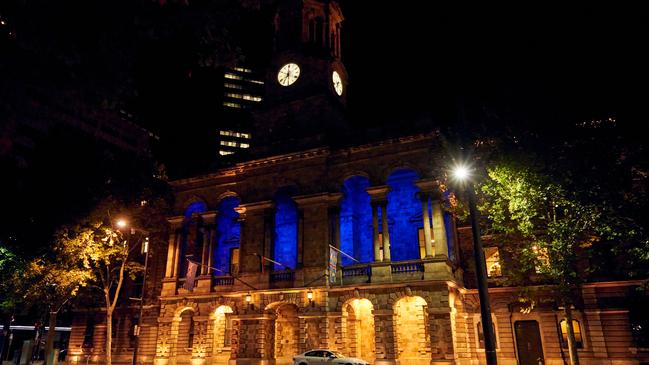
(549,230)
(109,254)
(51,282)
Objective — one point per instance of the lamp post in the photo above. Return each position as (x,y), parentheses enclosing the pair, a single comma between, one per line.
(145,250)
(462,174)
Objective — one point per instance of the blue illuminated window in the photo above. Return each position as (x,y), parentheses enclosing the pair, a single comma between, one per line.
(228,232)
(404,215)
(356,221)
(285,239)
(191,241)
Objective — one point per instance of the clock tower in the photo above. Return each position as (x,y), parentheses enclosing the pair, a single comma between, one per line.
(306,83)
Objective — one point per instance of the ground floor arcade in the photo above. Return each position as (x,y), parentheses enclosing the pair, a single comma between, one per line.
(420,323)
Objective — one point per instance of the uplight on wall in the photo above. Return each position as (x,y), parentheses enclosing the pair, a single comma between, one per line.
(309,296)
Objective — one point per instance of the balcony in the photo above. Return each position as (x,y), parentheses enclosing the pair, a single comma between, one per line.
(356,274)
(282,279)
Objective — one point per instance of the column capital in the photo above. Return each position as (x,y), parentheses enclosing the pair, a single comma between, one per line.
(322,198)
(378,193)
(428,186)
(176,222)
(209,217)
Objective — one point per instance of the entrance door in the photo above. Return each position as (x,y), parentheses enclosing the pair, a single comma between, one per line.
(528,343)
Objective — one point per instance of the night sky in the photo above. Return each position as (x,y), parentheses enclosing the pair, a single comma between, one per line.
(528,66)
(551,63)
(546,64)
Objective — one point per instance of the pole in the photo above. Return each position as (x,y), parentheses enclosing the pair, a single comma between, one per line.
(481,273)
(139,319)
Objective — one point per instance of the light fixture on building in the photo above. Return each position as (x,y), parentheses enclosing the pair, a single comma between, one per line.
(248,298)
(309,296)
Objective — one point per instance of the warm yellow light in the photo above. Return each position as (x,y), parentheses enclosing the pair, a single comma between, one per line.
(121,223)
(309,295)
(461,172)
(248,298)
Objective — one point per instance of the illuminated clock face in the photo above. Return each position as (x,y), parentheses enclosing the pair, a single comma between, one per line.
(288,74)
(338,83)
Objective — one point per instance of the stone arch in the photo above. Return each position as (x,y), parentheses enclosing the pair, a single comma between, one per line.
(341,178)
(357,294)
(221,330)
(182,331)
(193,200)
(412,339)
(226,194)
(399,165)
(357,329)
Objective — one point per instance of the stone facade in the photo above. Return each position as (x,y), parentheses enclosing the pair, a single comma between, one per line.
(419,311)
(263,232)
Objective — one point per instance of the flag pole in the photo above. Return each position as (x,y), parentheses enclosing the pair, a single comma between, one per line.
(223,272)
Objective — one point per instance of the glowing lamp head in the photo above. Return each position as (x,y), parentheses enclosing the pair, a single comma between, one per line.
(121,223)
(309,295)
(248,298)
(461,173)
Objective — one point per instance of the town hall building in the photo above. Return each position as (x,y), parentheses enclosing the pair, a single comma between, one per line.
(313,243)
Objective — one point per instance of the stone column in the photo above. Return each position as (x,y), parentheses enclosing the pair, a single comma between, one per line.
(300,239)
(385,339)
(174,246)
(334,214)
(206,253)
(375,232)
(426,219)
(439,230)
(386,233)
(210,246)
(171,254)
(201,345)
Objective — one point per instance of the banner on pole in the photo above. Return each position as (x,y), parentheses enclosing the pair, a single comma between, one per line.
(191,276)
(333,265)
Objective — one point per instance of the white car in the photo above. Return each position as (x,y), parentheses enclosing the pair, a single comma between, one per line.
(326,357)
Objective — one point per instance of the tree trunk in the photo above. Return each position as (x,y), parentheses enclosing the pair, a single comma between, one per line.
(572,345)
(109,336)
(51,333)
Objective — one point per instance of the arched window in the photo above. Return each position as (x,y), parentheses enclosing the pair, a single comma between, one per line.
(191,241)
(285,242)
(195,207)
(564,334)
(481,341)
(228,233)
(356,221)
(404,215)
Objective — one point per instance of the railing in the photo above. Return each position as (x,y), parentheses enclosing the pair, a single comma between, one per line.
(407,267)
(223,281)
(278,276)
(357,271)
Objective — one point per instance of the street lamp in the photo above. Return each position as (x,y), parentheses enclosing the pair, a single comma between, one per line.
(462,175)
(122,223)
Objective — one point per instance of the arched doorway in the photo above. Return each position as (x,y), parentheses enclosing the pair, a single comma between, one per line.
(185,337)
(286,334)
(411,324)
(222,335)
(358,329)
